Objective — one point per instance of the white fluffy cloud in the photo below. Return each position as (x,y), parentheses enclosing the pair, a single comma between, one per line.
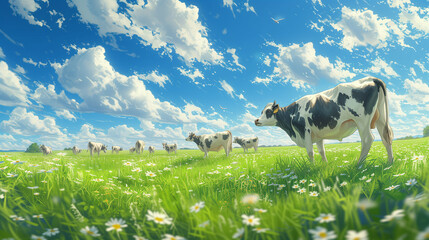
(13,92)
(89,75)
(228,88)
(301,66)
(162,24)
(2,55)
(155,77)
(395,102)
(234,57)
(191,75)
(418,92)
(379,66)
(48,96)
(26,8)
(66,114)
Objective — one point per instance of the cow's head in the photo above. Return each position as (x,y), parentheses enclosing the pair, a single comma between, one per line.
(235,140)
(267,117)
(163,145)
(104,148)
(191,137)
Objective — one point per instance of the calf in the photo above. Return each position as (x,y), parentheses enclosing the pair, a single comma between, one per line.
(76,150)
(212,142)
(139,146)
(247,143)
(335,114)
(151,149)
(45,149)
(96,147)
(116,149)
(133,149)
(170,147)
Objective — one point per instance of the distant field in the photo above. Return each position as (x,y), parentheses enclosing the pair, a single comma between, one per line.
(39,193)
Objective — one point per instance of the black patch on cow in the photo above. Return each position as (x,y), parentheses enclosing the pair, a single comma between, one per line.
(208,143)
(254,140)
(269,113)
(215,137)
(353,112)
(284,118)
(310,121)
(197,140)
(380,84)
(239,141)
(248,141)
(368,96)
(325,113)
(225,136)
(299,123)
(342,99)
(308,130)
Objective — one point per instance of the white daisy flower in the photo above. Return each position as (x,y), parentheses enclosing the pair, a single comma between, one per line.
(116,224)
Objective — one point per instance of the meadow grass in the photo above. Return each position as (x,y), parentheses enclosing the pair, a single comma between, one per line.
(78,191)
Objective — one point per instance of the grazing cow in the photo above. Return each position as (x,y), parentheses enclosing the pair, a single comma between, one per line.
(139,146)
(133,149)
(151,149)
(96,147)
(116,149)
(76,150)
(212,142)
(45,149)
(335,114)
(247,143)
(170,147)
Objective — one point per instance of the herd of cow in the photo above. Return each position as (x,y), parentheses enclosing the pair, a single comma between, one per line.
(332,114)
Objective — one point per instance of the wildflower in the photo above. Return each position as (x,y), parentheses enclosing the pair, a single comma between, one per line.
(204,224)
(250,199)
(197,207)
(260,230)
(411,182)
(3,168)
(423,234)
(325,218)
(150,164)
(397,214)
(17,218)
(399,174)
(34,237)
(321,233)
(55,159)
(250,220)
(116,224)
(418,158)
(239,233)
(302,181)
(160,218)
(150,174)
(328,188)
(51,232)
(91,231)
(17,162)
(136,170)
(11,175)
(295,186)
(312,184)
(343,184)
(171,237)
(369,180)
(228,174)
(61,154)
(314,194)
(44,181)
(36,194)
(97,180)
(128,164)
(35,187)
(391,187)
(366,204)
(1,196)
(39,216)
(354,235)
(302,190)
(259,210)
(139,238)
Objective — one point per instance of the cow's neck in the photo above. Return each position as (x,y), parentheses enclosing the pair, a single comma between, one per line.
(284,119)
(197,139)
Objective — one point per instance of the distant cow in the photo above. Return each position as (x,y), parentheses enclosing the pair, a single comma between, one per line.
(170,147)
(132,149)
(45,149)
(116,149)
(76,150)
(139,146)
(151,149)
(96,147)
(247,143)
(212,142)
(335,114)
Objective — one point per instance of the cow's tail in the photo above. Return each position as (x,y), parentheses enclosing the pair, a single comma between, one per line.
(229,141)
(387,131)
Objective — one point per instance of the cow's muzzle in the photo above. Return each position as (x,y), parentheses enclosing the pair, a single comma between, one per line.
(257,123)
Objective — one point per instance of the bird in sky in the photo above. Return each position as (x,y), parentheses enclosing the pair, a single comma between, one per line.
(277,20)
(222,108)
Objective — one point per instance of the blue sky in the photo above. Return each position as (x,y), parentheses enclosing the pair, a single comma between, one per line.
(117,71)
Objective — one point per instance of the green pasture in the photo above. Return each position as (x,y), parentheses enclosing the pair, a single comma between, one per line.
(72,192)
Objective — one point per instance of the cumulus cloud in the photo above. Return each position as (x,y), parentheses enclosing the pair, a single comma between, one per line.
(234,57)
(302,66)
(395,101)
(89,75)
(192,75)
(2,53)
(379,66)
(13,92)
(25,9)
(155,77)
(48,96)
(418,92)
(66,114)
(249,8)
(228,88)
(165,25)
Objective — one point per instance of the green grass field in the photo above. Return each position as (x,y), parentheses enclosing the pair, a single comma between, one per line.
(41,193)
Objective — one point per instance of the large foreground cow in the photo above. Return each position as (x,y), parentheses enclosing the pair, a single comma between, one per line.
(335,114)
(45,149)
(170,147)
(96,147)
(76,150)
(139,146)
(247,143)
(212,142)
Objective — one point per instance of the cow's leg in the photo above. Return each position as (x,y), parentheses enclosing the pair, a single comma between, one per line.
(226,150)
(205,154)
(309,148)
(366,140)
(256,148)
(382,128)
(321,149)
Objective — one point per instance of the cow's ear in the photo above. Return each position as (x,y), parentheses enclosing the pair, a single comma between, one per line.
(275,108)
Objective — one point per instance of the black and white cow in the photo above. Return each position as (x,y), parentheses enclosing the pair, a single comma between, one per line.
(76,150)
(132,149)
(116,149)
(45,149)
(247,143)
(170,147)
(335,114)
(139,146)
(96,147)
(151,150)
(212,142)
